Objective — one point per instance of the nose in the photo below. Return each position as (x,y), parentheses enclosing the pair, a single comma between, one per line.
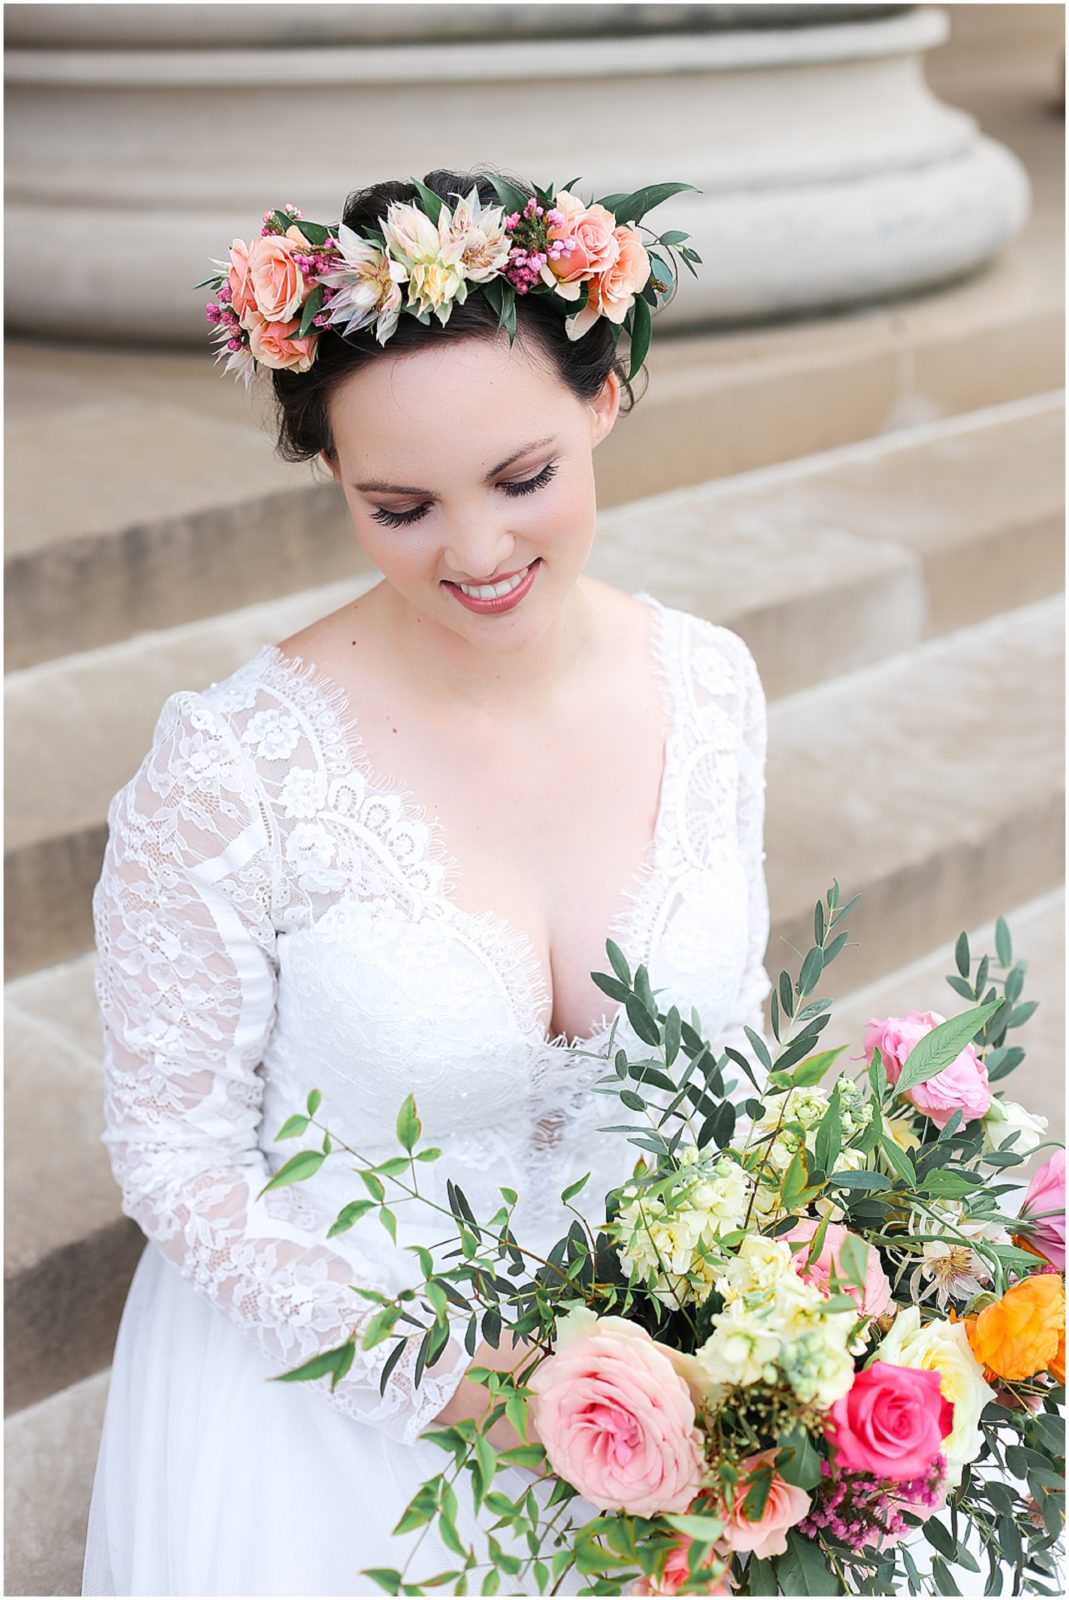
(475,558)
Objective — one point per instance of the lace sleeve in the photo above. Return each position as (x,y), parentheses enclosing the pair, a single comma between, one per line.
(756,985)
(186,983)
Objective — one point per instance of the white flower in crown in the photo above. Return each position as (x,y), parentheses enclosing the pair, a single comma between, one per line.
(367,287)
(239,361)
(431,257)
(484,243)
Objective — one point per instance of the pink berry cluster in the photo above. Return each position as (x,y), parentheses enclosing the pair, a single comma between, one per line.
(857,1508)
(221,315)
(532,247)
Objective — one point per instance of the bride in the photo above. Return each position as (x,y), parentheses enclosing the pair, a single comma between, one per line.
(384,856)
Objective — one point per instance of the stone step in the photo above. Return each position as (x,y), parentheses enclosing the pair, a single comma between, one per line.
(50,1452)
(170,504)
(51,1258)
(823,565)
(930,784)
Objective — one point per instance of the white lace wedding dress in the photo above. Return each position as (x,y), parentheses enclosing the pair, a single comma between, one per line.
(273,917)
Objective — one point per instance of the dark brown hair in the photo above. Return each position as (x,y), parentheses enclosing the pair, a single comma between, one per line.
(301,399)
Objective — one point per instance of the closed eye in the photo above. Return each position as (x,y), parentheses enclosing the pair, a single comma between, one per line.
(403,519)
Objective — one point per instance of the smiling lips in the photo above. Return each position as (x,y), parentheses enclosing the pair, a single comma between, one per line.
(499,596)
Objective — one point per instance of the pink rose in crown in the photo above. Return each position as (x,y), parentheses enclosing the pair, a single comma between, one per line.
(616,1416)
(1046,1193)
(961,1086)
(891,1422)
(765,1535)
(873,1300)
(277,281)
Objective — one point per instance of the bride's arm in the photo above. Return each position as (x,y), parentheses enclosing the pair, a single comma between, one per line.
(186,983)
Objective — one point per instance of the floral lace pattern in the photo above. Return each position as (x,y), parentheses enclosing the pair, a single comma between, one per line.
(272,917)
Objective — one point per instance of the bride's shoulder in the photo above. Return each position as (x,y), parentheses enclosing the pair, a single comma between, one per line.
(716,651)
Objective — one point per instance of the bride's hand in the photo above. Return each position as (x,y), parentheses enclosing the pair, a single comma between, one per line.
(470,1399)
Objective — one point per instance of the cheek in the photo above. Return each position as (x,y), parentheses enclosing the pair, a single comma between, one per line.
(565,519)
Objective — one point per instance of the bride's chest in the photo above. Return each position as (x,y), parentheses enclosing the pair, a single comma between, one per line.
(552,831)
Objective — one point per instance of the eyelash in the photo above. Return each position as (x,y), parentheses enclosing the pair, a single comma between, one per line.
(403,519)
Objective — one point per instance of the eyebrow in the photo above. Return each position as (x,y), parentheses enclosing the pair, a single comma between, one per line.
(374,486)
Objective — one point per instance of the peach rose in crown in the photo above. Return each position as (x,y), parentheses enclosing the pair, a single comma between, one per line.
(961,1086)
(873,1300)
(616,1416)
(277,281)
(273,343)
(242,299)
(595,246)
(612,292)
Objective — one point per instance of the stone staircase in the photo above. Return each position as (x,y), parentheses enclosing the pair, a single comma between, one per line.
(873,501)
(903,597)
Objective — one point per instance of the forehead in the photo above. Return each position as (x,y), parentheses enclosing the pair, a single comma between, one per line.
(457,401)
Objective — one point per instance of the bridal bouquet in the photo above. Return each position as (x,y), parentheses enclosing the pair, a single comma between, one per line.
(812,1333)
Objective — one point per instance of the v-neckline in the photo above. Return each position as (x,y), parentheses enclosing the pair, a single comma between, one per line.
(503,936)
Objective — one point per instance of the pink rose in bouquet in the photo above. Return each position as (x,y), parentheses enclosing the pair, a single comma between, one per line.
(891,1422)
(765,1535)
(961,1086)
(873,1300)
(1046,1192)
(616,1417)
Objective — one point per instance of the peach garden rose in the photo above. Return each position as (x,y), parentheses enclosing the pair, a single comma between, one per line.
(596,246)
(616,1416)
(242,299)
(765,1535)
(277,282)
(613,290)
(676,1572)
(275,344)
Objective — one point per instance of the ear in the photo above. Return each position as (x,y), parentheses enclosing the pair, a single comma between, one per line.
(605,407)
(332,465)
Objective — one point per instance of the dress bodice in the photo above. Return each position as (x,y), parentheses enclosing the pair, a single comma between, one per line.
(274,917)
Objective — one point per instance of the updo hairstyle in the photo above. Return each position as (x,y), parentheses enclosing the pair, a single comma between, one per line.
(301,399)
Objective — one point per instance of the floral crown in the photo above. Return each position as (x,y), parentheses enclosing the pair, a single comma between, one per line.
(277,294)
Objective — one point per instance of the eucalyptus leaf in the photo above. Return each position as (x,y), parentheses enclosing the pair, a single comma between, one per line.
(937,1049)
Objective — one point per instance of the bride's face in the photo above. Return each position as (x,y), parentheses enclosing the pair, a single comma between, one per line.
(467,463)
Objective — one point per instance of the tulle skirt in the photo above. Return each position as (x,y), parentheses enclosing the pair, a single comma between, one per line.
(210,1480)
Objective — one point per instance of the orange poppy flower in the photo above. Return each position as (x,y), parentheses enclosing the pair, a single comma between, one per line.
(1024,1332)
